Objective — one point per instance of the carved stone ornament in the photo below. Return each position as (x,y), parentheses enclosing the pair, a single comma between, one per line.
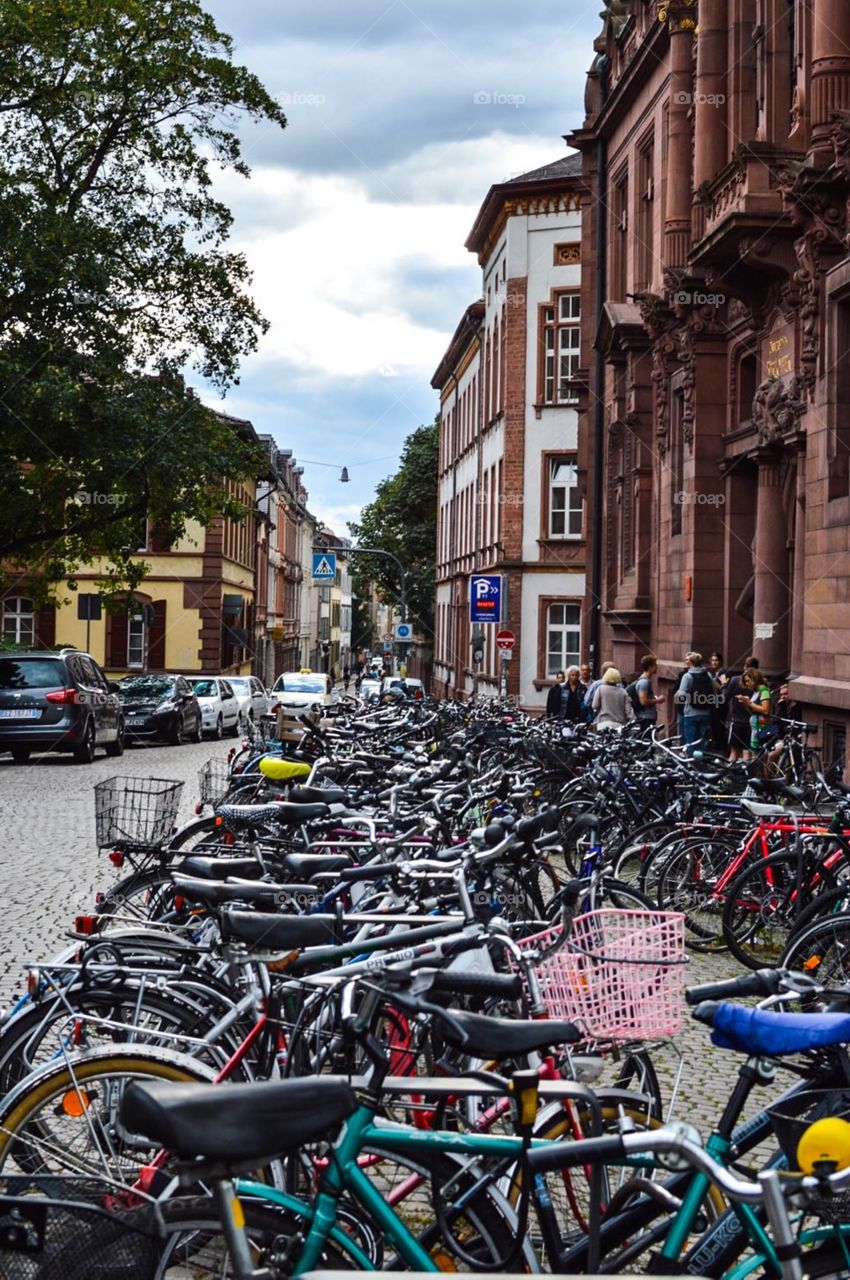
(663,363)
(679,15)
(654,313)
(778,406)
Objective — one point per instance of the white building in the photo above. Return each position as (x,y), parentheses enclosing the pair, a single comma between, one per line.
(509,385)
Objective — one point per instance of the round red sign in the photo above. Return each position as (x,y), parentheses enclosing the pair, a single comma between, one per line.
(505,641)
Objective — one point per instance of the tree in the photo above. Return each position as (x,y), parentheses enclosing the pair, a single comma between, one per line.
(403,520)
(114,274)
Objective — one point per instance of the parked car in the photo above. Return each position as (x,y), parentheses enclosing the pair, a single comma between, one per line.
(370,687)
(302,689)
(220,712)
(411,687)
(251,695)
(58,701)
(160,706)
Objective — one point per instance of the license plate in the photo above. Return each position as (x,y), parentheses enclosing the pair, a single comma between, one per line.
(21,713)
(135,720)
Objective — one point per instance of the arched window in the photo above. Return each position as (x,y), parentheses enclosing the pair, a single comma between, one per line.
(18,620)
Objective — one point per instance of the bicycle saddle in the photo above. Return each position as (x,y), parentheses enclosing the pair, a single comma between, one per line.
(319,795)
(775,1034)
(203,868)
(280,812)
(502,1037)
(305,865)
(216,894)
(586,822)
(236,1122)
(279,770)
(277,933)
(759,810)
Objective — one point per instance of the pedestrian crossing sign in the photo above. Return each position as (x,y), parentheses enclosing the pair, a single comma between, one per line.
(324,566)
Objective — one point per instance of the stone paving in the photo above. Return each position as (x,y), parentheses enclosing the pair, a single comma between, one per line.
(52,871)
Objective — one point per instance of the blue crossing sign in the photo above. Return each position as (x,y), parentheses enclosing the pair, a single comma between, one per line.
(485,597)
(324,566)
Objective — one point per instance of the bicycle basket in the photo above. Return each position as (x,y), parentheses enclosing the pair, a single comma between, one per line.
(621,975)
(135,811)
(74,1229)
(791,1118)
(214,780)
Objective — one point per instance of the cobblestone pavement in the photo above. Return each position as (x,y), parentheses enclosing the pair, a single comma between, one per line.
(51,867)
(52,871)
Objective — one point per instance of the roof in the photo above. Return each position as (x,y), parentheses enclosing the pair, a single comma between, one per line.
(461,338)
(567,167)
(563,172)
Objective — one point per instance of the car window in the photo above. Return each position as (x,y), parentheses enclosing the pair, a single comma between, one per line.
(205,688)
(92,675)
(291,682)
(226,691)
(33,673)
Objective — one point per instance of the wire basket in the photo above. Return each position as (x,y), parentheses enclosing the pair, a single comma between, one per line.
(214,779)
(791,1118)
(621,976)
(135,812)
(75,1229)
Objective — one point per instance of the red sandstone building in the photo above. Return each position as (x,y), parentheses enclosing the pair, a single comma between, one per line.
(509,384)
(716,285)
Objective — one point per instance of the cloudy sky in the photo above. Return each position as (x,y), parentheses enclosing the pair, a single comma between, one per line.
(401,115)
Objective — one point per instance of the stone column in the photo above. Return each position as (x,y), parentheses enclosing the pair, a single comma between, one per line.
(680,16)
(830,88)
(741,82)
(711,140)
(771,568)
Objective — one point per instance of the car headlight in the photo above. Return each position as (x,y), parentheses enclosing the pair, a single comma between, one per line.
(167,706)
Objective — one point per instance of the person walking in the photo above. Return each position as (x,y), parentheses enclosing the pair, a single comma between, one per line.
(611,704)
(696,696)
(554,706)
(646,698)
(572,697)
(584,674)
(346,677)
(718,710)
(592,687)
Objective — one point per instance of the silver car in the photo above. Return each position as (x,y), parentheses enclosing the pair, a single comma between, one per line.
(251,696)
(219,705)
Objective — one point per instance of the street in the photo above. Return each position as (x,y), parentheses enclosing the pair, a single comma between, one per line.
(53,871)
(51,864)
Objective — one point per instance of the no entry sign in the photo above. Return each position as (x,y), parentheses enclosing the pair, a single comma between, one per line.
(505,641)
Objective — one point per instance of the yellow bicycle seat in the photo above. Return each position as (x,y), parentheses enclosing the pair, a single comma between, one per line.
(279,770)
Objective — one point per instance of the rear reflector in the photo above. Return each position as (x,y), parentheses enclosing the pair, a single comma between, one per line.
(86,925)
(116,857)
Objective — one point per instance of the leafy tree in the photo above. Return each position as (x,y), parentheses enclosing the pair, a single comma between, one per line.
(115,275)
(403,520)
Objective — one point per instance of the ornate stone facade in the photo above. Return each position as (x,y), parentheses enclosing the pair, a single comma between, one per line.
(726,514)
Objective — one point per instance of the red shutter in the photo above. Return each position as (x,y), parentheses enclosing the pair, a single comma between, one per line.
(117,626)
(158,542)
(156,638)
(45,627)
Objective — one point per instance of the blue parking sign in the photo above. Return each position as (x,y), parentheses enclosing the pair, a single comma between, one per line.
(485,597)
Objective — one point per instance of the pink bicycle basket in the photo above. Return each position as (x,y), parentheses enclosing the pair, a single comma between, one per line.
(621,976)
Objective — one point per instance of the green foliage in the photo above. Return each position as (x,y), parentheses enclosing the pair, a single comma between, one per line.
(403,520)
(115,275)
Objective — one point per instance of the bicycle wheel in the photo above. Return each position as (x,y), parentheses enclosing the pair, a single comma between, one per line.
(687,882)
(64,1117)
(764,902)
(822,950)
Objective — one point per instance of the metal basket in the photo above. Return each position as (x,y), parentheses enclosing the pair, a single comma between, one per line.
(135,812)
(214,780)
(74,1229)
(791,1118)
(621,975)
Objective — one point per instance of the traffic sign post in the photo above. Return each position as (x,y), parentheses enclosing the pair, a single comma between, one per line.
(505,641)
(404,631)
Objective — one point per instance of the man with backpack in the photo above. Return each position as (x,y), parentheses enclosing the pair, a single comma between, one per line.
(644,698)
(697,695)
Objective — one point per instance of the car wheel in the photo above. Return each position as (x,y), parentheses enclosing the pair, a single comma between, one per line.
(116,748)
(178,732)
(218,731)
(20,755)
(84,753)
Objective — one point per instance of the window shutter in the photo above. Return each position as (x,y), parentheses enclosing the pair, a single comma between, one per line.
(158,542)
(45,627)
(116,641)
(156,638)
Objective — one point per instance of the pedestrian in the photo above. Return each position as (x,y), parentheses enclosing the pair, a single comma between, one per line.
(584,674)
(554,707)
(718,711)
(611,704)
(572,697)
(697,693)
(677,702)
(788,711)
(346,677)
(755,699)
(646,700)
(591,690)
(737,716)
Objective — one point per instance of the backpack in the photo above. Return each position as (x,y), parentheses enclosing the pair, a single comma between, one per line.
(702,691)
(634,696)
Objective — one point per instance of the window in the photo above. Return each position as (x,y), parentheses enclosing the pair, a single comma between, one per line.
(566,508)
(18,620)
(677,462)
(136,641)
(644,247)
(619,238)
(563,637)
(561,349)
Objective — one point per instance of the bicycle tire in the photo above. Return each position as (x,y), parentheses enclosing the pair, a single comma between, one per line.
(58,1084)
(822,950)
(761,905)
